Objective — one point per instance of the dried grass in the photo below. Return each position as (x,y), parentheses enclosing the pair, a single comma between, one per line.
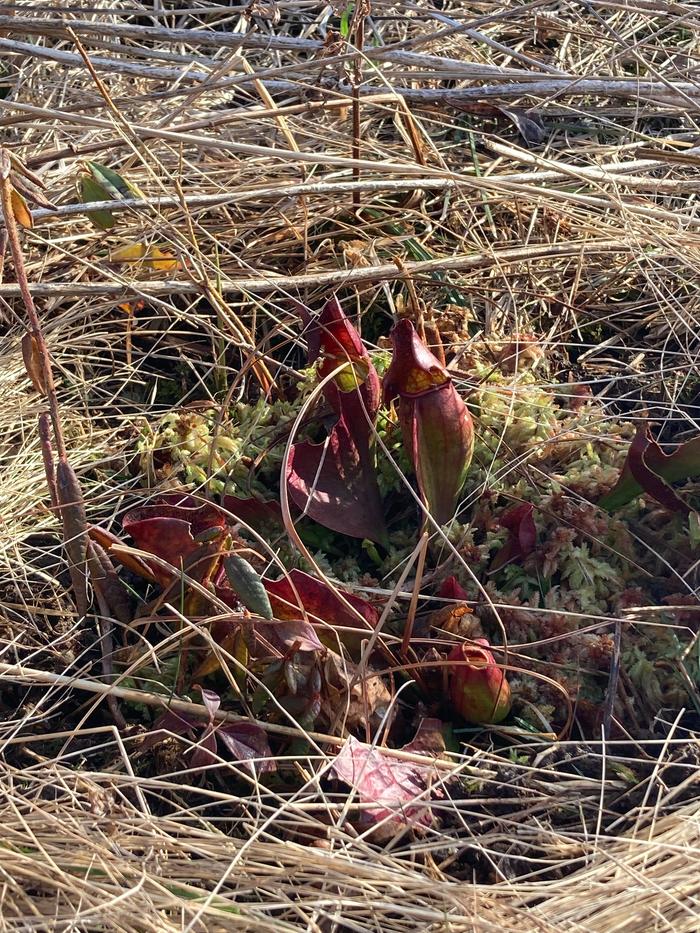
(239,134)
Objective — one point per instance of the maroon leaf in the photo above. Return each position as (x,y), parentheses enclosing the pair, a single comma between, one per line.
(333,338)
(169,528)
(335,484)
(392,785)
(436,427)
(522,537)
(245,742)
(428,739)
(204,754)
(450,588)
(258,513)
(170,723)
(318,600)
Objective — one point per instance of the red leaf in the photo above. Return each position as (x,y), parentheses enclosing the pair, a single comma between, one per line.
(320,602)
(255,512)
(391,784)
(204,754)
(335,484)
(332,337)
(450,588)
(522,538)
(436,427)
(168,530)
(245,742)
(170,723)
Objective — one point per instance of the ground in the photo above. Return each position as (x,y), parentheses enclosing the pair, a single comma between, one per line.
(518,181)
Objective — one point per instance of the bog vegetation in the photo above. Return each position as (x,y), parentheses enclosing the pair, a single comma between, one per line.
(351,449)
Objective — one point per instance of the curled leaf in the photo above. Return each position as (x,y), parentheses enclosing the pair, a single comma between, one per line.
(105,579)
(478,687)
(131,252)
(160,261)
(522,535)
(648,469)
(21,212)
(152,256)
(112,183)
(107,539)
(436,427)
(335,484)
(32,362)
(91,191)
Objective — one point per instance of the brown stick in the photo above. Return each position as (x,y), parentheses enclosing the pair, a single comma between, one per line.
(22,281)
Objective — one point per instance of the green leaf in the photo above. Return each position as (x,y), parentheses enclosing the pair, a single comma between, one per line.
(110,181)
(248,585)
(648,469)
(91,191)
(345,20)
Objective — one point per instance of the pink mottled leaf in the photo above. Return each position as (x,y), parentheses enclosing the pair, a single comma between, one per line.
(398,789)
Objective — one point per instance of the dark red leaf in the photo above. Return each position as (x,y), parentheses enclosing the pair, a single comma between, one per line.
(335,484)
(644,446)
(168,530)
(170,723)
(204,754)
(450,588)
(332,337)
(648,469)
(245,742)
(258,513)
(522,537)
(319,601)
